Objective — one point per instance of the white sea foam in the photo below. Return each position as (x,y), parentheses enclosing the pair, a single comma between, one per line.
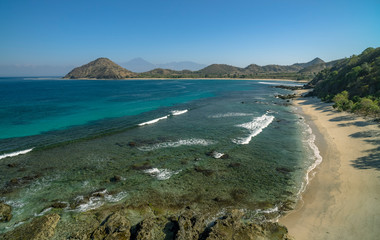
(43,212)
(153,121)
(217,155)
(98,199)
(269,210)
(161,174)
(230,114)
(116,197)
(93,203)
(255,127)
(317,158)
(280,83)
(178,112)
(182,142)
(15,153)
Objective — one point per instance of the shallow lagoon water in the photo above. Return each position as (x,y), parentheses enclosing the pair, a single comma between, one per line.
(235,146)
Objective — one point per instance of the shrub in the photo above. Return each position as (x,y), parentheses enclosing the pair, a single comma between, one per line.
(342,103)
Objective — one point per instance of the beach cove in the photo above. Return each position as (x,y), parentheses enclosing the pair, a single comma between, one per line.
(342,199)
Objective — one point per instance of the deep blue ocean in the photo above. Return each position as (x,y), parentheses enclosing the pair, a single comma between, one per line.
(207,143)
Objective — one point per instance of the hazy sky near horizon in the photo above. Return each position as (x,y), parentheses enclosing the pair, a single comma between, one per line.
(238,32)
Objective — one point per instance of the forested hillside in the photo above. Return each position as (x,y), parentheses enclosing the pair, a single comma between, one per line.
(352,83)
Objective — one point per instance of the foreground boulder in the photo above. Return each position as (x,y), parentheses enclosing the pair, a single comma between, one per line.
(190,225)
(5,212)
(42,228)
(231,227)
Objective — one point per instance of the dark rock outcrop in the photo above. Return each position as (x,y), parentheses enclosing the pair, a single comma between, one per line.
(5,212)
(231,227)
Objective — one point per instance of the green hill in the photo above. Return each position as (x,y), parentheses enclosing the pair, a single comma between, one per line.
(352,83)
(101,68)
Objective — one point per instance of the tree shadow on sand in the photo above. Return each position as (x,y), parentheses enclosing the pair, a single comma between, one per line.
(372,158)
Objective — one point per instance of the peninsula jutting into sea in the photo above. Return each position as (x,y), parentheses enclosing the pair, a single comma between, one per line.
(208,154)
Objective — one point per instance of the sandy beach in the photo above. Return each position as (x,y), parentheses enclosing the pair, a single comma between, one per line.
(342,200)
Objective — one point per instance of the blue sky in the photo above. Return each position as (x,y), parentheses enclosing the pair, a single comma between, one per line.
(235,32)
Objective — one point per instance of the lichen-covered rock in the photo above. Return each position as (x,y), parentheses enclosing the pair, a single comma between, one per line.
(5,212)
(42,228)
(151,228)
(231,228)
(115,227)
(190,225)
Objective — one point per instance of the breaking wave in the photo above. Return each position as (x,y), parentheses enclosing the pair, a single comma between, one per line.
(255,127)
(178,112)
(15,153)
(153,121)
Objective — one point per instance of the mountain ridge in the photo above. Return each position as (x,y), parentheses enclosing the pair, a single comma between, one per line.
(103,68)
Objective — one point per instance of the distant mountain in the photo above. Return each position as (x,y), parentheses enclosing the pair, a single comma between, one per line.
(101,68)
(315,61)
(138,65)
(185,65)
(253,69)
(104,68)
(217,69)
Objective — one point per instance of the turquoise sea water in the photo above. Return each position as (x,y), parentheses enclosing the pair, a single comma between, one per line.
(208,143)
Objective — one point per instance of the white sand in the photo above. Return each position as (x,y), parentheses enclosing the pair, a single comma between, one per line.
(343,199)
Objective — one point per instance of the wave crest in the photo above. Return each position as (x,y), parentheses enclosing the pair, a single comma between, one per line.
(15,153)
(255,127)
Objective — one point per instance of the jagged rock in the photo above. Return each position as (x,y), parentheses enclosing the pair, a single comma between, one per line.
(150,229)
(190,225)
(286,97)
(115,226)
(5,212)
(232,228)
(42,228)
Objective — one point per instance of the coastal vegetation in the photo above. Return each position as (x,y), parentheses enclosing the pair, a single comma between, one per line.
(353,84)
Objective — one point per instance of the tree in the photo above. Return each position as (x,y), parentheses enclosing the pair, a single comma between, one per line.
(342,103)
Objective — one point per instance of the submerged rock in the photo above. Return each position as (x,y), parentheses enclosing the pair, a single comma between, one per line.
(5,212)
(115,178)
(59,205)
(41,228)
